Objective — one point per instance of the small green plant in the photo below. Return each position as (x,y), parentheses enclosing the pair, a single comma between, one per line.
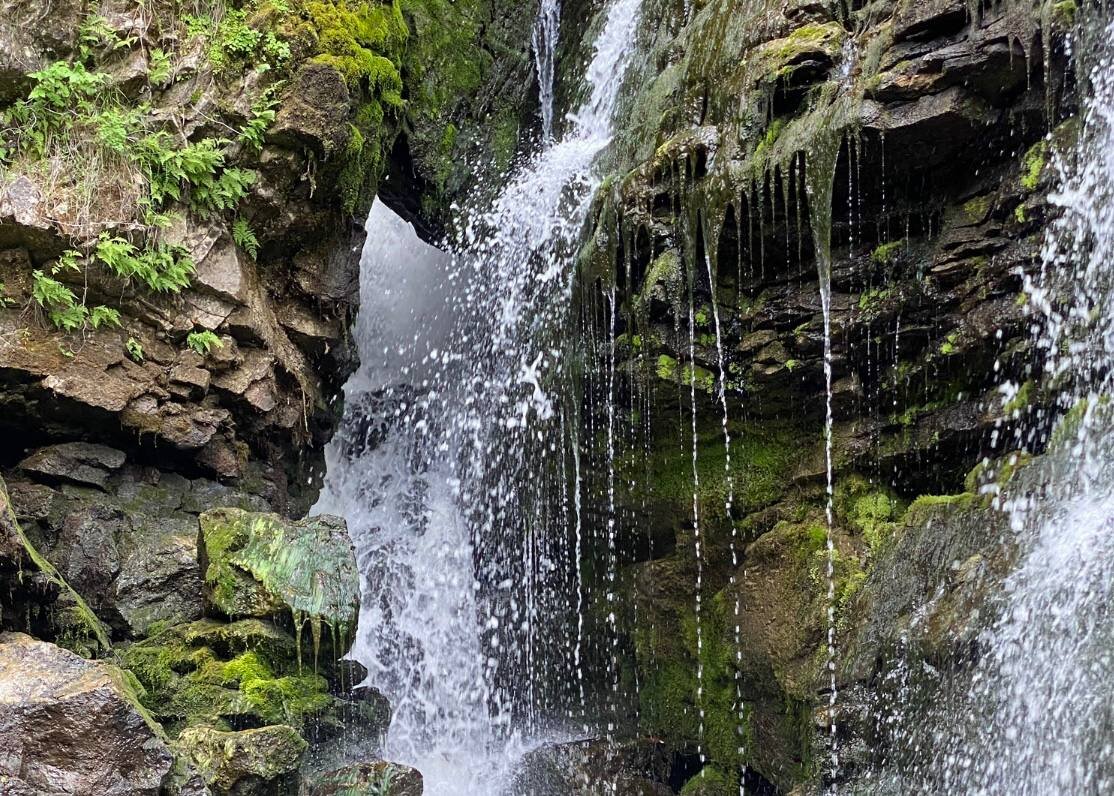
(134,349)
(245,238)
(262,116)
(162,268)
(158,69)
(203,342)
(381,784)
(58,301)
(104,316)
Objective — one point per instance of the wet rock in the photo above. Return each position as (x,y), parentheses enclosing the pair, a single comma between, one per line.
(259,565)
(88,557)
(246,763)
(374,778)
(69,725)
(159,578)
(595,767)
(75,462)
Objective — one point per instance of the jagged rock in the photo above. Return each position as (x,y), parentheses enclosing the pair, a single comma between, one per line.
(258,565)
(596,767)
(159,579)
(29,40)
(23,221)
(76,462)
(89,558)
(373,778)
(245,763)
(68,725)
(316,114)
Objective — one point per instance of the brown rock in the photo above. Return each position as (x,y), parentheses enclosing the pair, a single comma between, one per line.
(72,726)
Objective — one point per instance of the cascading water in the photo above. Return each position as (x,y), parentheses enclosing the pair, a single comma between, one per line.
(1044,686)
(1036,715)
(444,466)
(546,30)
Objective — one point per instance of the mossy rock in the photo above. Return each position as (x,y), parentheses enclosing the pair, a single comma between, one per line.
(226,675)
(257,761)
(372,778)
(259,565)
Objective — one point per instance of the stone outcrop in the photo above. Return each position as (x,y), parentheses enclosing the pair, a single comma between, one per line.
(68,725)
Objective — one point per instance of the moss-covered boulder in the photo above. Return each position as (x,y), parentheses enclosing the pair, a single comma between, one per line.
(255,762)
(260,565)
(245,673)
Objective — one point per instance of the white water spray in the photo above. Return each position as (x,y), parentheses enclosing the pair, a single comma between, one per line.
(441,467)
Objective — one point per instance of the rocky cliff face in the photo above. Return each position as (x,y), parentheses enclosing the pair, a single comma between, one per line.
(905,144)
(182,196)
(180,207)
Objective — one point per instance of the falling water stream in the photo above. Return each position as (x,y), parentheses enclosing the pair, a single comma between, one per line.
(445,459)
(1043,695)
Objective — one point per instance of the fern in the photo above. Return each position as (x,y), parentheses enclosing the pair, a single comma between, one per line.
(203,342)
(163,268)
(245,237)
(262,116)
(61,85)
(158,71)
(104,316)
(134,349)
(50,293)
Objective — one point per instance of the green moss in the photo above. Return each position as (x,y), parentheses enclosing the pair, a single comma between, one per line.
(868,509)
(1032,164)
(1021,400)
(669,369)
(664,282)
(925,507)
(886,253)
(976,209)
(804,39)
(711,781)
(186,683)
(948,347)
(1063,12)
(763,456)
(769,139)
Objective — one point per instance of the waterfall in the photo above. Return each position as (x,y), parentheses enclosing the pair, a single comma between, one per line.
(445,463)
(1045,682)
(1036,714)
(546,30)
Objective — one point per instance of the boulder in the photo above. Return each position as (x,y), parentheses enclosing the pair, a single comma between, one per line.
(257,565)
(374,778)
(246,763)
(159,579)
(316,111)
(70,726)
